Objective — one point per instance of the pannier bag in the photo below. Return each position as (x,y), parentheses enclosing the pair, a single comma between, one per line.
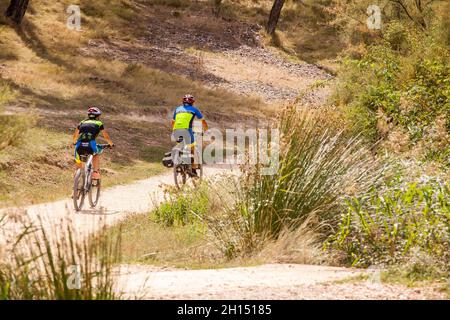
(167,160)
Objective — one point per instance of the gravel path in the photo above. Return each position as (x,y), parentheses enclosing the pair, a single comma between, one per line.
(272,281)
(115,204)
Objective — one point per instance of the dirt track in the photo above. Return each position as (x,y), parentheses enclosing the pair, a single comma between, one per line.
(271,281)
(114,204)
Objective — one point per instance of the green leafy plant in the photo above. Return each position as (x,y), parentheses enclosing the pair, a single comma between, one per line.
(183,207)
(12,127)
(391,224)
(402,81)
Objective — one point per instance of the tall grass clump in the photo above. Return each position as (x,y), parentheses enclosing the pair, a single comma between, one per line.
(318,165)
(54,264)
(399,223)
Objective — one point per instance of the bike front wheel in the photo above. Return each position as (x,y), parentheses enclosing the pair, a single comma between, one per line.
(78,190)
(200,169)
(94,193)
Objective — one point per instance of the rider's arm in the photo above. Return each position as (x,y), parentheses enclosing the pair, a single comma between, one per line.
(199,115)
(204,125)
(174,117)
(75,135)
(107,137)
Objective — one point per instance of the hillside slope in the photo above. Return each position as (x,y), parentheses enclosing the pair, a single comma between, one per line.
(134,59)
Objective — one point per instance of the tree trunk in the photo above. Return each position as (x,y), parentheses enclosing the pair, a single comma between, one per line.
(274,16)
(217,4)
(16,10)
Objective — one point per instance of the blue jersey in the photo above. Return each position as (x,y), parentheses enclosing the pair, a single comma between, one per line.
(184,117)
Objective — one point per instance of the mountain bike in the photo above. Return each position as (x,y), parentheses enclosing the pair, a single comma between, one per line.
(83,183)
(182,164)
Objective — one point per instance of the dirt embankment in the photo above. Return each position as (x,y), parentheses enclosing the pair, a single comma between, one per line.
(219,53)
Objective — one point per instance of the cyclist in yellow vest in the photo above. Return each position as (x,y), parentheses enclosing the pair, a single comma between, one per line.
(182,122)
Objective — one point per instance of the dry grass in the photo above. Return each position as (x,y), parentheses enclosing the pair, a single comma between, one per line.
(46,175)
(302,245)
(77,80)
(238,69)
(145,241)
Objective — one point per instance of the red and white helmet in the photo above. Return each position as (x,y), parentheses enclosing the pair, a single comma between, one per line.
(94,112)
(189,99)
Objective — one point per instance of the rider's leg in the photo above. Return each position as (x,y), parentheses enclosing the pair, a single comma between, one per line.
(96,164)
(78,163)
(95,160)
(194,158)
(192,144)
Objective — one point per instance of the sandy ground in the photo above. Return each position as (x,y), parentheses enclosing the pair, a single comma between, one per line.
(270,281)
(266,282)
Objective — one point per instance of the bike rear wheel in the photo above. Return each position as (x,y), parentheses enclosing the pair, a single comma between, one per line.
(78,190)
(197,179)
(179,175)
(94,193)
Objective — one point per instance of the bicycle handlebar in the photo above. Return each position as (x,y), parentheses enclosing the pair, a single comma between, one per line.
(104,146)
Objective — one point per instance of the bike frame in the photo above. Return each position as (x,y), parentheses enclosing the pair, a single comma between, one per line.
(87,172)
(183,158)
(185,151)
(88,168)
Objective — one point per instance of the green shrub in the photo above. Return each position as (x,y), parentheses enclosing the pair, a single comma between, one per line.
(399,221)
(13,129)
(183,207)
(404,82)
